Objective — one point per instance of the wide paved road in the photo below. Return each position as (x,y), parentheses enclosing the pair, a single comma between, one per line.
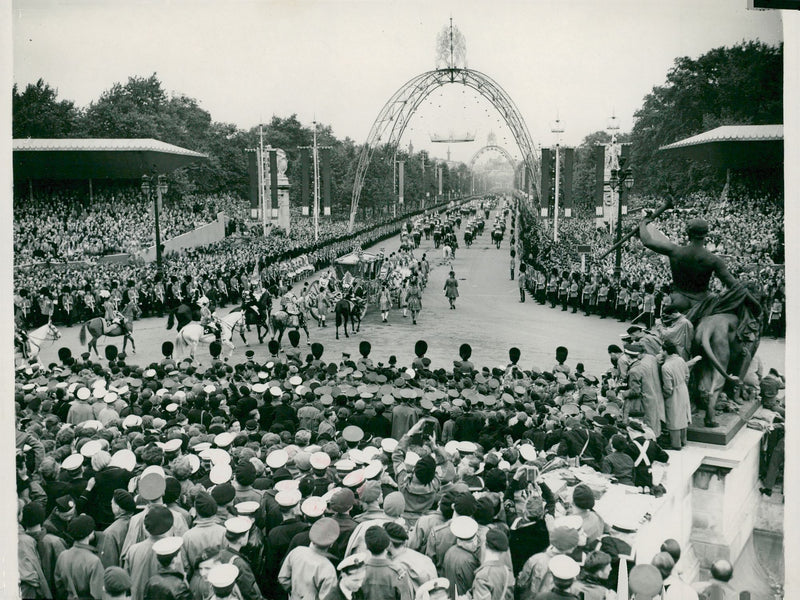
(489,317)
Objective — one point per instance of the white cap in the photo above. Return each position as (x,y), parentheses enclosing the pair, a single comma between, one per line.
(99,391)
(259,388)
(246,508)
(286,485)
(223,576)
(388,445)
(84,393)
(412,458)
(172,445)
(219,456)
(220,474)
(296,380)
(154,469)
(238,525)
(168,545)
(224,439)
(563,567)
(373,469)
(93,424)
(110,397)
(90,448)
(464,528)
(320,460)
(345,465)
(72,462)
(314,506)
(467,447)
(528,452)
(131,421)
(194,462)
(277,458)
(276,391)
(124,459)
(288,498)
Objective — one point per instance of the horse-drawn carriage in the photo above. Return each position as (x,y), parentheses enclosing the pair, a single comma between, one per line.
(357,285)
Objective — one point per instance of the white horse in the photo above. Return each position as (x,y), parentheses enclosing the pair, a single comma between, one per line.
(36,339)
(193,334)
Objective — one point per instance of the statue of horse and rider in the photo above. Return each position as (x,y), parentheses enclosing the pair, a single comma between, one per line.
(727,326)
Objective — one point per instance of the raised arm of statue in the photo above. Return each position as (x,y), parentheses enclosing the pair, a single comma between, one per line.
(655,240)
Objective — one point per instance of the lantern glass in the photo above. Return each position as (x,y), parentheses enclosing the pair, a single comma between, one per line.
(146,185)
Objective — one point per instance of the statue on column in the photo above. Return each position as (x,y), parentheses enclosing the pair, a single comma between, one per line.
(727,326)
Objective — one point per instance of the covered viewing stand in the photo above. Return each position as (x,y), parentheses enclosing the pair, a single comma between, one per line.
(147,160)
(733,147)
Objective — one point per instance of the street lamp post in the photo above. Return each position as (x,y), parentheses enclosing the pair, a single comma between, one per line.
(157,184)
(621,179)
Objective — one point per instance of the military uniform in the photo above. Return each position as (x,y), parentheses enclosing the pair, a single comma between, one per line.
(79,573)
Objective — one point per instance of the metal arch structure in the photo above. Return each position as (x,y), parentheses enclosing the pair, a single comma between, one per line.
(395,115)
(493,148)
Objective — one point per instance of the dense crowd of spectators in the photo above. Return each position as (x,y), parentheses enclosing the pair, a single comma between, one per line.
(64,226)
(69,293)
(747,234)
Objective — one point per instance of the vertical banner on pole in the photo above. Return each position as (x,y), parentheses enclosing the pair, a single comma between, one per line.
(325,159)
(548,162)
(569,159)
(599,181)
(307,204)
(439,175)
(401,181)
(273,182)
(625,155)
(252,173)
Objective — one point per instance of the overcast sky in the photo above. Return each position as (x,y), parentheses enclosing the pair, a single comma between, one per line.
(245,61)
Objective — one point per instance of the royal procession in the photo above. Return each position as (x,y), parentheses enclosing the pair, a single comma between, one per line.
(516,334)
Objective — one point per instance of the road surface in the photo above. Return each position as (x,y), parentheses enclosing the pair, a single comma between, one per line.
(489,317)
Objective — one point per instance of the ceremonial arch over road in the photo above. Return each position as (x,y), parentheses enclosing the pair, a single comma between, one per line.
(393,118)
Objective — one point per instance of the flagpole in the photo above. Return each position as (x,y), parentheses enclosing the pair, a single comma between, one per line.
(316,186)
(261,179)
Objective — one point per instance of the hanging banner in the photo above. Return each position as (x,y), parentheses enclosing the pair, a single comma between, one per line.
(439,175)
(599,181)
(401,181)
(307,202)
(325,159)
(569,161)
(548,164)
(273,182)
(252,173)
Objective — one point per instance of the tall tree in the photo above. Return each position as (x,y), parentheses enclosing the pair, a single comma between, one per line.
(37,112)
(742,84)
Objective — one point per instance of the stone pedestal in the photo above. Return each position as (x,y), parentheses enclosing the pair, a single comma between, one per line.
(725,500)
(283,219)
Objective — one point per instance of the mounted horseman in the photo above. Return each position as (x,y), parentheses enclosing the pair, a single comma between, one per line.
(727,327)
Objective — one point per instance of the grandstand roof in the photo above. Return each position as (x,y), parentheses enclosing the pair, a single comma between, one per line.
(97,158)
(734,146)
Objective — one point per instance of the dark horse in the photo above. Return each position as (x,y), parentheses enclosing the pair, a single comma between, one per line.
(97,329)
(497,237)
(349,310)
(281,321)
(184,315)
(258,314)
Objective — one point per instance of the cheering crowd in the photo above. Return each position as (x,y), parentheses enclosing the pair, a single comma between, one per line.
(748,234)
(290,477)
(68,294)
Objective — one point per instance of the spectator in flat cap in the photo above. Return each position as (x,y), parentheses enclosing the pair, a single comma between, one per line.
(494,578)
(582,504)
(535,577)
(442,538)
(139,560)
(593,579)
(341,503)
(116,584)
(307,572)
(33,582)
(419,567)
(383,578)
(79,572)
(123,507)
(371,498)
(206,532)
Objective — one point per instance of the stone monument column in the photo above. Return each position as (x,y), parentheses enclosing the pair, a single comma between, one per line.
(280,215)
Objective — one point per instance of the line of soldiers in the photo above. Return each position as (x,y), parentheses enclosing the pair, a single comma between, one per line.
(598,295)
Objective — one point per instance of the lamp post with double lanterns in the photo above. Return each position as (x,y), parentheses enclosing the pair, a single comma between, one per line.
(621,179)
(154,187)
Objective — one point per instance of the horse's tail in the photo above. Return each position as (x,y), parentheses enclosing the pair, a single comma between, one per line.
(82,335)
(171,320)
(705,343)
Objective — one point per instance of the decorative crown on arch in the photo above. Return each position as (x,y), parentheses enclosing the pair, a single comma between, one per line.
(451,48)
